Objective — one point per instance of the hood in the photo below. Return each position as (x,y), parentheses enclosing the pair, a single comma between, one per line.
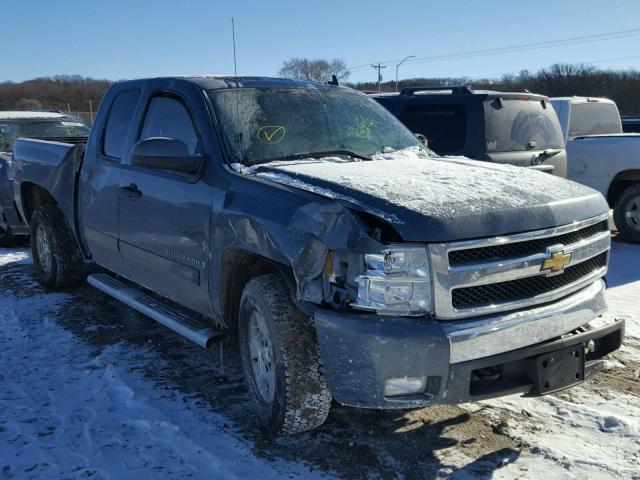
(445,198)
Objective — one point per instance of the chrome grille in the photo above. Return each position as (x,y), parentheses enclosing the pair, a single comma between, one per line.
(490,275)
(528,247)
(525,287)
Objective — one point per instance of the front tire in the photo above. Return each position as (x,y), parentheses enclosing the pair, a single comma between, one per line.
(56,256)
(626,214)
(281,358)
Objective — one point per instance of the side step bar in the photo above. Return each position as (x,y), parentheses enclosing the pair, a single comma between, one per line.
(202,334)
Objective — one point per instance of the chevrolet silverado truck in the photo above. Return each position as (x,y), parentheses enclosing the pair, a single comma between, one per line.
(601,156)
(45,126)
(307,222)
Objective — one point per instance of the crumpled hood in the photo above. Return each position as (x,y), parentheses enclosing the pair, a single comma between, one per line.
(444,199)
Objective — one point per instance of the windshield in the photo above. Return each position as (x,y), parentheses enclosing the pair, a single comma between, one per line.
(261,125)
(12,129)
(517,125)
(594,119)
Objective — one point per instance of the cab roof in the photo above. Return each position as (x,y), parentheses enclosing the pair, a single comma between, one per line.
(219,82)
(576,99)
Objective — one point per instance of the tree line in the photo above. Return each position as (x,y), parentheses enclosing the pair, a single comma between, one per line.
(62,92)
(73,93)
(559,80)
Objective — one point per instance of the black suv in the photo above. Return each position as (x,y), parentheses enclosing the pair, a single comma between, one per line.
(516,128)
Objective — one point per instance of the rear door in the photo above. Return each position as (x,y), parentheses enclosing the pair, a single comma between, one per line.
(164,215)
(98,188)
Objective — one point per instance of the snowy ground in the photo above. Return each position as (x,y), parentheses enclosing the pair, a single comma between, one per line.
(91,389)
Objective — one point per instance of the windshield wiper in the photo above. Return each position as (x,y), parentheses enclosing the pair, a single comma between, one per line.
(323,153)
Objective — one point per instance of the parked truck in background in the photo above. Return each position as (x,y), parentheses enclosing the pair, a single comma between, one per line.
(44,125)
(601,156)
(631,124)
(509,128)
(310,222)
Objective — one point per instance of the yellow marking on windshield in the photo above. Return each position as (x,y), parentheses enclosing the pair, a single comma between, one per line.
(271,134)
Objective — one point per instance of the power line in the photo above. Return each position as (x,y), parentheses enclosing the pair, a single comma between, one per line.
(379,67)
(517,48)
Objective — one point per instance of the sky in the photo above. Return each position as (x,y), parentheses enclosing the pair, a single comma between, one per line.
(122,39)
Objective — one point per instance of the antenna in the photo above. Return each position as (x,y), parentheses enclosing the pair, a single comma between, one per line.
(235,76)
(235,63)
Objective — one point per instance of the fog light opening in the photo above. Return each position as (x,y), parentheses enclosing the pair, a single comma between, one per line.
(396,387)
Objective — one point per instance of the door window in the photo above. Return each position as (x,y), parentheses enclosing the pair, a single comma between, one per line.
(168,117)
(118,124)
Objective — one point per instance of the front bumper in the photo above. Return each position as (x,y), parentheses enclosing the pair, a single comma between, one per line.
(361,351)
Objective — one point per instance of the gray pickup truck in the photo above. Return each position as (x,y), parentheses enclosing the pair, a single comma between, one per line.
(602,157)
(350,262)
(42,125)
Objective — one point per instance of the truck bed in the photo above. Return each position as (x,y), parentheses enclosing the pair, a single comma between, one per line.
(50,165)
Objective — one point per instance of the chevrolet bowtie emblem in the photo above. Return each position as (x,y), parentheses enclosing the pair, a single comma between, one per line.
(556,262)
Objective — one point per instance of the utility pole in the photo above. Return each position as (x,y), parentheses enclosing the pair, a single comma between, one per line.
(398,66)
(91,111)
(379,67)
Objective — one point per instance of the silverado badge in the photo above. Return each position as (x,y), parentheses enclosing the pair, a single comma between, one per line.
(556,262)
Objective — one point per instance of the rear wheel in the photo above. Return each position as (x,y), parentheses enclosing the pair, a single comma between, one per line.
(56,256)
(626,213)
(281,358)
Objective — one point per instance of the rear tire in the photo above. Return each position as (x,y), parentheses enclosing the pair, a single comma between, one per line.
(56,256)
(281,358)
(626,214)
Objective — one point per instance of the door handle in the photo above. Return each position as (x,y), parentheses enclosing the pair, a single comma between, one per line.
(132,190)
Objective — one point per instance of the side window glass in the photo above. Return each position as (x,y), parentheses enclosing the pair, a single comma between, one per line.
(118,124)
(168,117)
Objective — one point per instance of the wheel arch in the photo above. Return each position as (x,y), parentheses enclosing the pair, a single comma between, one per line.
(620,182)
(238,266)
(33,196)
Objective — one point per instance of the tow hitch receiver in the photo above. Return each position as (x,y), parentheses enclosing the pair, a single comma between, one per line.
(559,370)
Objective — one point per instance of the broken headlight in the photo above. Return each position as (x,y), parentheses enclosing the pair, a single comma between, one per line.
(395,281)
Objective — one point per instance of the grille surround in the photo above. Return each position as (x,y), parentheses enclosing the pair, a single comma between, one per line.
(470,297)
(449,277)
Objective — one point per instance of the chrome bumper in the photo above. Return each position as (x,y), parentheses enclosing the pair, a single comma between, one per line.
(470,340)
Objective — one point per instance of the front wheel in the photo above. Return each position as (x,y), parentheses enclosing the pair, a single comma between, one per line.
(626,214)
(56,256)
(281,358)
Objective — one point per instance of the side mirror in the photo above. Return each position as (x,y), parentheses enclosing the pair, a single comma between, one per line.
(422,139)
(162,153)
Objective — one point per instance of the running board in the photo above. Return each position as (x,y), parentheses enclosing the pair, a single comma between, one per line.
(162,312)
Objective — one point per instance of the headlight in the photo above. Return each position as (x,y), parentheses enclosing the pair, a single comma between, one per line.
(396,281)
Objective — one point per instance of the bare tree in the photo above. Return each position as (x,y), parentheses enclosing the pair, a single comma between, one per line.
(317,70)
(28,104)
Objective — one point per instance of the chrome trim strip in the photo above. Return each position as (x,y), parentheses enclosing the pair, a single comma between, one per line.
(446,278)
(523,237)
(474,339)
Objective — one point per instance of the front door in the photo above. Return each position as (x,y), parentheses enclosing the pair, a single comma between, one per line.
(164,215)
